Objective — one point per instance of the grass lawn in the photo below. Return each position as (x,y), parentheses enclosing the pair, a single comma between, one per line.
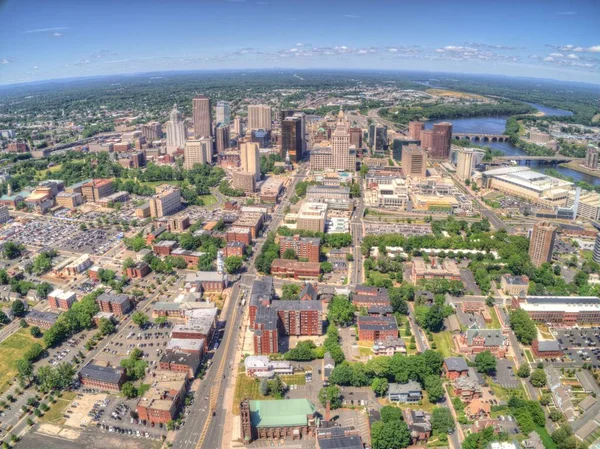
(245,387)
(528,355)
(11,350)
(495,324)
(506,393)
(55,414)
(294,379)
(53,169)
(444,344)
(209,200)
(157,183)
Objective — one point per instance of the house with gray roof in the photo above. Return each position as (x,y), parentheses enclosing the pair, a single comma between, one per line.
(455,367)
(476,340)
(409,392)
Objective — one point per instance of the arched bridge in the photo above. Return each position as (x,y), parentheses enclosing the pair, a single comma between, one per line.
(481,137)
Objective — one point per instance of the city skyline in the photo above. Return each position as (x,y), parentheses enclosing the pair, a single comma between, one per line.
(556,39)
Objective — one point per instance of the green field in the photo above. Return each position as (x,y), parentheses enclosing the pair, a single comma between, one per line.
(245,388)
(293,379)
(209,200)
(495,324)
(505,393)
(157,183)
(11,350)
(55,414)
(444,344)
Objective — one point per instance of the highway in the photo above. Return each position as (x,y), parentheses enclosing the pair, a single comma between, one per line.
(202,429)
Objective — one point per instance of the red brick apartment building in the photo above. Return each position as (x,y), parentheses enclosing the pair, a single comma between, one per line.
(43,320)
(138,271)
(61,300)
(455,367)
(373,328)
(299,317)
(234,249)
(304,247)
(295,269)
(164,247)
(104,378)
(120,305)
(181,362)
(266,331)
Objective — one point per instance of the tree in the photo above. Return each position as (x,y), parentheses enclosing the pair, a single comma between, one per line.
(524,370)
(389,413)
(332,394)
(233,264)
(290,254)
(555,415)
(442,421)
(35,331)
(18,307)
(25,370)
(290,292)
(129,390)
(128,263)
(326,267)
(489,301)
(340,310)
(105,326)
(11,250)
(485,362)
(43,289)
(140,318)
(434,388)
(538,378)
(380,386)
(564,438)
(3,318)
(523,326)
(263,387)
(434,318)
(390,435)
(303,351)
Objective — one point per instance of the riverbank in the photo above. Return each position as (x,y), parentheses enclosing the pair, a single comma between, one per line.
(574,165)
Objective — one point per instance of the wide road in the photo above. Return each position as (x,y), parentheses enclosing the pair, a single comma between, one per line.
(202,429)
(356,228)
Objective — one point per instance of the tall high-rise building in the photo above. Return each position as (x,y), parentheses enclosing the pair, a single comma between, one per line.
(197,151)
(285,113)
(166,201)
(291,138)
(414,161)
(202,122)
(176,132)
(541,243)
(259,117)
(414,130)
(427,138)
(398,147)
(356,137)
(302,117)
(222,138)
(152,131)
(464,163)
(223,113)
(250,158)
(441,140)
(596,254)
(380,142)
(344,158)
(237,126)
(591,157)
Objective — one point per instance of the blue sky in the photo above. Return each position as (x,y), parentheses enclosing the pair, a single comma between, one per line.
(47,39)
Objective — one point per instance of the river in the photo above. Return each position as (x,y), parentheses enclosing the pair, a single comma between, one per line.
(497,125)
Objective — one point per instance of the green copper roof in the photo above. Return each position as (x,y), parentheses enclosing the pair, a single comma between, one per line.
(286,412)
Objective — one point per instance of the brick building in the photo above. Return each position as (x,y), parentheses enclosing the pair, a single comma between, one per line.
(475,340)
(43,320)
(162,401)
(567,310)
(304,247)
(104,378)
(179,224)
(266,331)
(253,221)
(234,249)
(59,299)
(455,367)
(196,346)
(546,349)
(138,271)
(295,269)
(514,285)
(299,317)
(182,362)
(210,281)
(236,234)
(97,188)
(164,247)
(117,304)
(372,328)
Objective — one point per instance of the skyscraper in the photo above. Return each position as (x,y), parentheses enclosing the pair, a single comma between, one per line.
(441,140)
(302,117)
(541,243)
(591,157)
(152,131)
(202,121)
(223,113)
(381,140)
(414,161)
(464,163)
(237,126)
(356,137)
(176,132)
(197,151)
(344,158)
(222,138)
(414,130)
(250,159)
(596,253)
(259,117)
(291,138)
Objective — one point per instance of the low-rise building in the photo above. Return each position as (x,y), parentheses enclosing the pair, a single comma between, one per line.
(138,270)
(419,425)
(445,269)
(253,221)
(373,328)
(546,349)
(209,281)
(239,234)
(69,200)
(312,217)
(183,362)
(566,310)
(161,402)
(261,366)
(102,377)
(270,190)
(190,345)
(455,367)
(409,392)
(295,269)
(389,347)
(164,247)
(514,285)
(43,320)
(475,340)
(119,304)
(477,409)
(467,388)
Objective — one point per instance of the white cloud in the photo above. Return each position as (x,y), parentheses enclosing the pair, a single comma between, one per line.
(557,55)
(572,56)
(4,61)
(43,30)
(566,13)
(35,67)
(594,49)
(351,16)
(549,59)
(57,34)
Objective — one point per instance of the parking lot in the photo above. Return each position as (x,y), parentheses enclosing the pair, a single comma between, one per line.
(579,345)
(92,241)
(505,374)
(68,350)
